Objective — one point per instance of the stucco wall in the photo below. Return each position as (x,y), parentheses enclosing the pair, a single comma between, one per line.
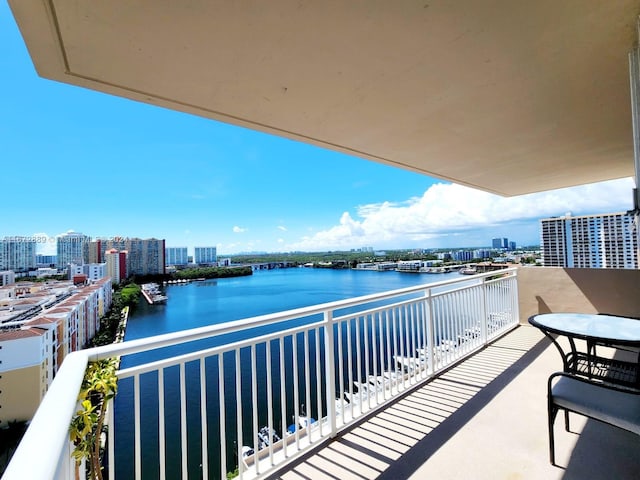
(550,289)
(20,394)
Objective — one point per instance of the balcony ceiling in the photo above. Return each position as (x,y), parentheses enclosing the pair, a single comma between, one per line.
(507,96)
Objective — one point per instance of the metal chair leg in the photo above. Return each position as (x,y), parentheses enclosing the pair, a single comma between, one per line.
(553,411)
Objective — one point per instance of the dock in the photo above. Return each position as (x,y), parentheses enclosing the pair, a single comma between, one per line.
(151,292)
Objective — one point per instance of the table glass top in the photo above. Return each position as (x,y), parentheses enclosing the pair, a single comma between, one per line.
(584,325)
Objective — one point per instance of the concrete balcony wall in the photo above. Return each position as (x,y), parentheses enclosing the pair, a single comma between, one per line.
(586,290)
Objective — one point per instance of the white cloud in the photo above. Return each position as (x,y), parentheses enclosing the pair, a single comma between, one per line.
(450,209)
(237,229)
(280,227)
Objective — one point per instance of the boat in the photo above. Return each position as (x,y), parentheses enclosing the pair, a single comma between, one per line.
(247,451)
(267,437)
(468,271)
(303,422)
(151,291)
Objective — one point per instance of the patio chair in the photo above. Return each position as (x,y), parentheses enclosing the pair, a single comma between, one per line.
(608,403)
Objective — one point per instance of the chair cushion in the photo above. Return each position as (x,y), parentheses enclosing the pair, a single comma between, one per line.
(615,407)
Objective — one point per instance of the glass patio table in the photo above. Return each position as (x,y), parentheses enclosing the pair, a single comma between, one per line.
(594,329)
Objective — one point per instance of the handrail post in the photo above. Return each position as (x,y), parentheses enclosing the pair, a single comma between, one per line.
(430,347)
(515,299)
(485,316)
(330,377)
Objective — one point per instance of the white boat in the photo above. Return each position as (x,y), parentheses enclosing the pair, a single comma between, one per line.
(467,271)
(266,437)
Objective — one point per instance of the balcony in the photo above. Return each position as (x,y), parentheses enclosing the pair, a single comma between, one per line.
(384,386)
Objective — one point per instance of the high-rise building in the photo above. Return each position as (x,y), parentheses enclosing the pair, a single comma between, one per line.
(462,255)
(72,248)
(176,256)
(481,254)
(205,255)
(116,265)
(146,257)
(589,241)
(18,254)
(501,243)
(45,260)
(95,254)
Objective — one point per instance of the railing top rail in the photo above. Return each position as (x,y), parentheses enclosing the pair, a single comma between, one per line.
(184,336)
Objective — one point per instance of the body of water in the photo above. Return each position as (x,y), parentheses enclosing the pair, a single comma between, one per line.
(210,302)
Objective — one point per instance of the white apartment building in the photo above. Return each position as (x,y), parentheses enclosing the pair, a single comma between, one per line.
(205,255)
(72,247)
(176,256)
(589,241)
(7,277)
(32,351)
(93,271)
(18,254)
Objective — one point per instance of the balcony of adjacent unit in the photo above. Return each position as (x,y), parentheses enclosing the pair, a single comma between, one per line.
(444,380)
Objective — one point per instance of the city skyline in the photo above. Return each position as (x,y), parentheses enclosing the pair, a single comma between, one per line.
(107,167)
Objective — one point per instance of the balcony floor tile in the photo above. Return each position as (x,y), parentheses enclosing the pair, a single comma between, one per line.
(483,419)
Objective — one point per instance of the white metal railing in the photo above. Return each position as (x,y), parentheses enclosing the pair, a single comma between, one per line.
(257,393)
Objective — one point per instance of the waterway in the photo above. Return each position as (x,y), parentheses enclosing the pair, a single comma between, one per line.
(210,302)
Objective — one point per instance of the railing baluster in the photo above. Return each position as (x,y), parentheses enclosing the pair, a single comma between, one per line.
(392,377)
(339,328)
(269,401)
(296,391)
(254,407)
(359,364)
(204,462)
(283,395)
(485,316)
(162,446)
(350,371)
(111,440)
(136,421)
(239,435)
(365,382)
(183,421)
(307,384)
(222,414)
(402,344)
(318,381)
(374,353)
(394,357)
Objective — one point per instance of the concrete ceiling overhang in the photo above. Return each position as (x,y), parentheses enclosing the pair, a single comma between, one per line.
(508,96)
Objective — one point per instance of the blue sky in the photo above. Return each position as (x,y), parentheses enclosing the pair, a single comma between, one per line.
(74,159)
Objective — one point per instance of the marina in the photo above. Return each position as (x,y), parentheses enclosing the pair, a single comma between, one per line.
(151,293)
